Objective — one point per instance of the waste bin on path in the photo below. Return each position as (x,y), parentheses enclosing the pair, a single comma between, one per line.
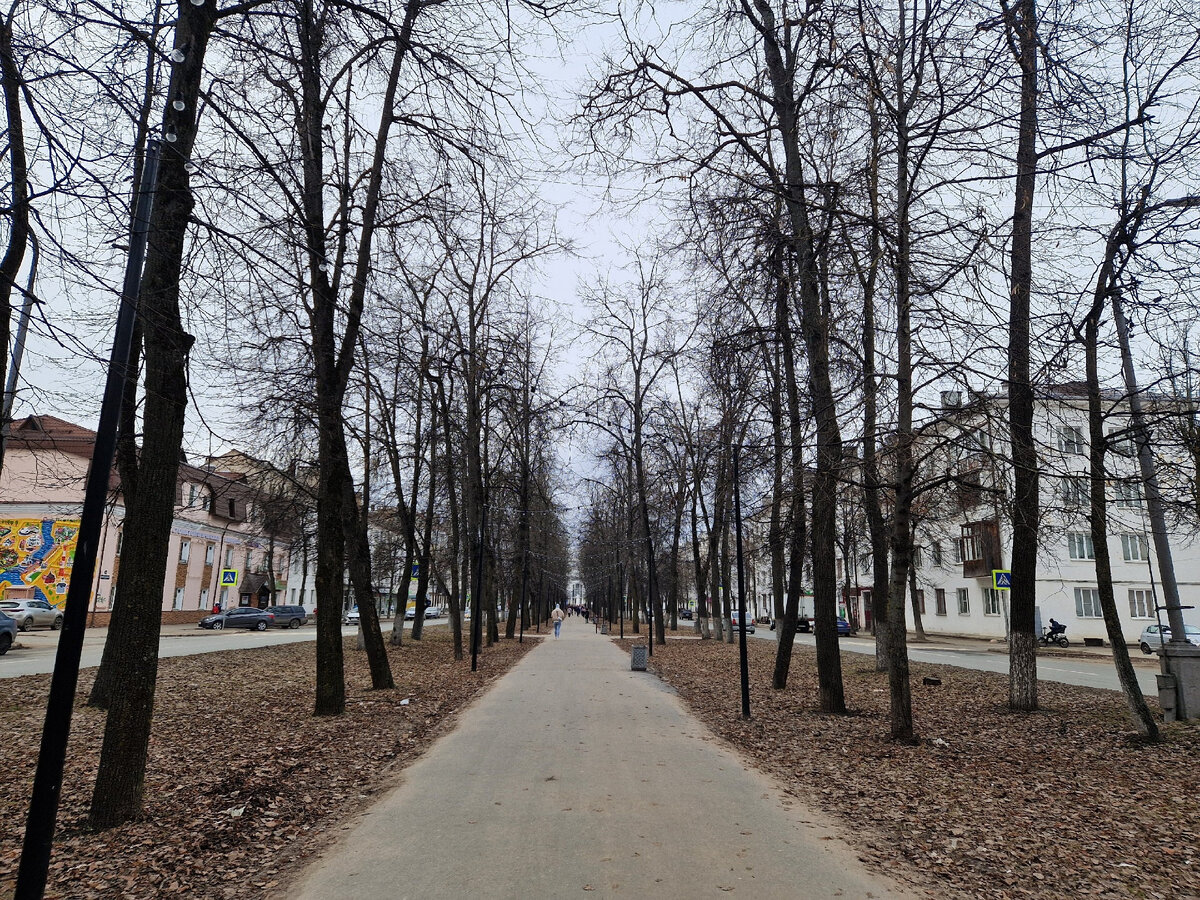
(637,657)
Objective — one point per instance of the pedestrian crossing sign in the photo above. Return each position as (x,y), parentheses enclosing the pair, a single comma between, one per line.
(1002,579)
(229,577)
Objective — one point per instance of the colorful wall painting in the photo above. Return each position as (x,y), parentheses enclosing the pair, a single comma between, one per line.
(38,553)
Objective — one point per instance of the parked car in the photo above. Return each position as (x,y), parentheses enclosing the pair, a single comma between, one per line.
(1152,636)
(749,622)
(686,614)
(240,617)
(803,623)
(32,613)
(8,632)
(843,627)
(289,616)
(351,618)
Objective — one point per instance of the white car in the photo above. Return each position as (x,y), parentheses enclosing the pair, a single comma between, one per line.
(351,618)
(1152,638)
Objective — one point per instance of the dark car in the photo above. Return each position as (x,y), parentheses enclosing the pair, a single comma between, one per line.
(240,617)
(804,623)
(686,614)
(289,616)
(8,632)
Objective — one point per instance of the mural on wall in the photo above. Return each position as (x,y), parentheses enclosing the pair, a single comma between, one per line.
(38,553)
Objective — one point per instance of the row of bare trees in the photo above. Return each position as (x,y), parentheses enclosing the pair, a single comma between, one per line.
(846,168)
(339,231)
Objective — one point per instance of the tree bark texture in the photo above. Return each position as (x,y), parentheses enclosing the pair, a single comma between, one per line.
(131,648)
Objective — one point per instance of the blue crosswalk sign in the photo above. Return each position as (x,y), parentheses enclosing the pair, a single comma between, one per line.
(1002,579)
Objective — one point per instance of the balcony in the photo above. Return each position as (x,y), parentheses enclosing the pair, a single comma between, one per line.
(980,543)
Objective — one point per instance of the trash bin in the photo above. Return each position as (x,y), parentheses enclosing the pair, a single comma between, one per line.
(1166,696)
(637,658)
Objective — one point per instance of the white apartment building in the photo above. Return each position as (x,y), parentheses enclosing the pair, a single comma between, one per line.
(963,530)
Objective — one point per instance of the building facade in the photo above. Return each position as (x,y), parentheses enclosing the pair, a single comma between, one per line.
(963,532)
(220,552)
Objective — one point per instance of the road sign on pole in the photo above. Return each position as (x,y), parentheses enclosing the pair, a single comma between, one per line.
(1002,579)
(229,578)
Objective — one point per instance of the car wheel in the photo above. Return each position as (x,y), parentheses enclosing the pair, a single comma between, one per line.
(5,642)
(26,623)
(57,623)
(218,625)
(295,623)
(261,626)
(1146,648)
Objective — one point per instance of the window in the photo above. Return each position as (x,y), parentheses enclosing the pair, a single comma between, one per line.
(231,513)
(1134,548)
(957,551)
(1076,491)
(981,439)
(970,488)
(224,598)
(964,602)
(935,550)
(940,599)
(840,568)
(246,563)
(1087,603)
(185,551)
(1128,494)
(1070,440)
(1141,603)
(229,557)
(921,600)
(210,552)
(1121,443)
(991,602)
(1080,545)
(192,491)
(178,604)
(120,541)
(205,501)
(203,599)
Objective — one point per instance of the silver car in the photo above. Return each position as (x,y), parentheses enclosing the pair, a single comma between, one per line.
(1153,636)
(32,613)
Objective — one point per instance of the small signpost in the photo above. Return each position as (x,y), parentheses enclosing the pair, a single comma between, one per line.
(1002,579)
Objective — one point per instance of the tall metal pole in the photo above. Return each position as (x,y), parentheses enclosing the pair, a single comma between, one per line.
(48,779)
(737,527)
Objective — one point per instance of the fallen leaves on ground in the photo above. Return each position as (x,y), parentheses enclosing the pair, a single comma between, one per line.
(1065,801)
(244,784)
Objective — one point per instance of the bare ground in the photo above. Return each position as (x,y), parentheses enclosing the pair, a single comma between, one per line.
(1062,802)
(244,784)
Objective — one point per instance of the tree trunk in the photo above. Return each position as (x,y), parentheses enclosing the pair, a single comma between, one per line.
(1139,710)
(1022,672)
(798,539)
(131,648)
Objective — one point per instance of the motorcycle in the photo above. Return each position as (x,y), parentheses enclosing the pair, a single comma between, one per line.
(1053,637)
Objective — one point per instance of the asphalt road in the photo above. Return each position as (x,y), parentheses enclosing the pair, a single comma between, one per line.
(36,655)
(1097,673)
(37,649)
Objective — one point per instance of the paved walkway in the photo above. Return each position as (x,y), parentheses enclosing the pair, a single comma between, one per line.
(574,774)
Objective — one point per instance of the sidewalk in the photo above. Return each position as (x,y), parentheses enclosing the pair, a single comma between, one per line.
(574,774)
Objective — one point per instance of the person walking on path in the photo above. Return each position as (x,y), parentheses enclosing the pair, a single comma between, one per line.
(557,616)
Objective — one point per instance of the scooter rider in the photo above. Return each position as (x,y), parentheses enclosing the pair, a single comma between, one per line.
(1056,628)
